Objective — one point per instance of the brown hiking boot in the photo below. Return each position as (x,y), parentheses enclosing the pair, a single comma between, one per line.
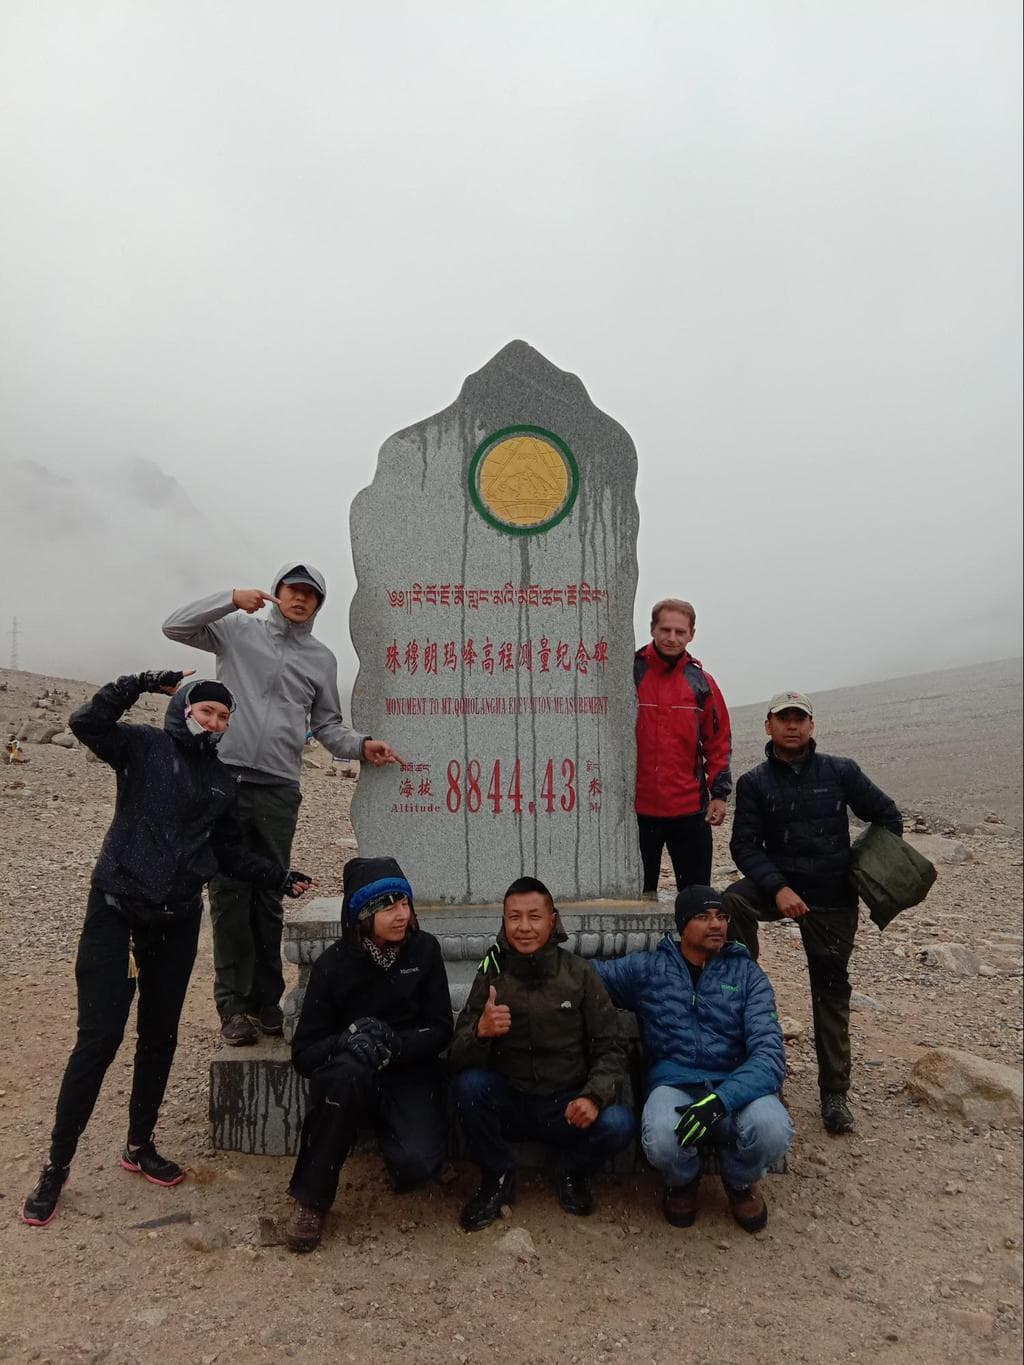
(679,1203)
(304,1228)
(239,1031)
(748,1207)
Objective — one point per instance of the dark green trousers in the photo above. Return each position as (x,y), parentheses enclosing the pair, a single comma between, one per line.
(247,920)
(827,937)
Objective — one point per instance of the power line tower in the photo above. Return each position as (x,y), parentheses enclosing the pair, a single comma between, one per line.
(13,632)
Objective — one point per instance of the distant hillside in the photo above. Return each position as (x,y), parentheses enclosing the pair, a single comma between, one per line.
(948,744)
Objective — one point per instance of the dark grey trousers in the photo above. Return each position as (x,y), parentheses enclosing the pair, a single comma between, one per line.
(827,937)
(247,920)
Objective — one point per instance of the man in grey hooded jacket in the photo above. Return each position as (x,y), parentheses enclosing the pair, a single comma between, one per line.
(285,684)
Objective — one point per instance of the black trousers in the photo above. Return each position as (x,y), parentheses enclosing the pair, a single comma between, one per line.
(164,953)
(406,1107)
(827,936)
(248,920)
(688,838)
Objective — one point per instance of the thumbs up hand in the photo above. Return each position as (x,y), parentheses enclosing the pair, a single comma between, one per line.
(496,1020)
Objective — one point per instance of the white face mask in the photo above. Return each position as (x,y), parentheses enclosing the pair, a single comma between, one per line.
(194,728)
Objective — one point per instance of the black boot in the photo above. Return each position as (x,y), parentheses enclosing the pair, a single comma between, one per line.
(496,1188)
(575,1194)
(835,1112)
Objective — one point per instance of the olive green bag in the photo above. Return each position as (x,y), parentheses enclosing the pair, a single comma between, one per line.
(889,874)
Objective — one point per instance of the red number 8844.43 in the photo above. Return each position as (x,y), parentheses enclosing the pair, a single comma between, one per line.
(465,788)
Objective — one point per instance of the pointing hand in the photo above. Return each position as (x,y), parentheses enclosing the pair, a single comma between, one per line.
(251,599)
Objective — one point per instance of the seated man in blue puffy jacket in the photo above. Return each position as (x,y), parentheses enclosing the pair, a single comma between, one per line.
(707,1018)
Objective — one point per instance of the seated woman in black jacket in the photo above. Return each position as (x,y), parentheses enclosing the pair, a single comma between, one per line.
(174,826)
(376,1015)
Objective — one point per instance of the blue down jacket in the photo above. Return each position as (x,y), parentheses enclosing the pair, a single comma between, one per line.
(725,1034)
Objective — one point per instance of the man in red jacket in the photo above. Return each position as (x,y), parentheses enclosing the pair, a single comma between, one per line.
(683,748)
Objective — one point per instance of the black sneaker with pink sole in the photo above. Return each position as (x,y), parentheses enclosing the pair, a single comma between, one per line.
(40,1207)
(147,1161)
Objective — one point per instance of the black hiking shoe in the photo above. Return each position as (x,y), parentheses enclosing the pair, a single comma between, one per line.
(147,1161)
(238,1030)
(496,1188)
(575,1194)
(40,1207)
(271,1020)
(835,1112)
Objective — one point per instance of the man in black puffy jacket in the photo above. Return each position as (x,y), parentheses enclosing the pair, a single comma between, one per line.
(376,1015)
(174,826)
(791,840)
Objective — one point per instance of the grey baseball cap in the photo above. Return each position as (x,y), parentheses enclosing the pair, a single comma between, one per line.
(786,701)
(300,574)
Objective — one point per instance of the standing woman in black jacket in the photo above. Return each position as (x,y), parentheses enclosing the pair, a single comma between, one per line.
(174,826)
(376,1016)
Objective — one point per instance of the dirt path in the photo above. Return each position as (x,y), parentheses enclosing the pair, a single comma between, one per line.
(902,1243)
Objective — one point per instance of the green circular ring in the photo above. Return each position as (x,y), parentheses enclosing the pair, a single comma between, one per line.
(570,498)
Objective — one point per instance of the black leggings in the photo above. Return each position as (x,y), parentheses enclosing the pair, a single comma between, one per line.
(164,954)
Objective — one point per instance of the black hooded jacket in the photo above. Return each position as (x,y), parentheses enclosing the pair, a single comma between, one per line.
(346,984)
(175,823)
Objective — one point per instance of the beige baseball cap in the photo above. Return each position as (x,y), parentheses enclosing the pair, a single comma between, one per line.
(784,701)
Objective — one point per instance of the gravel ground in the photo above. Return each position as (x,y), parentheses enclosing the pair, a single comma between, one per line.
(901,1243)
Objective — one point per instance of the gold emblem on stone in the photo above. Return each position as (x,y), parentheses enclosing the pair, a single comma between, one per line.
(524,480)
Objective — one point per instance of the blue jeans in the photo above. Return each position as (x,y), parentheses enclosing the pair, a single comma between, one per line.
(749,1140)
(493,1111)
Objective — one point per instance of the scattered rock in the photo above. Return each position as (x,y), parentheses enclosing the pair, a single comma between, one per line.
(269,1231)
(951,957)
(165,1220)
(971,1087)
(150,1317)
(41,731)
(939,850)
(65,740)
(977,1323)
(859,1001)
(792,1029)
(205,1237)
(841,1272)
(518,1242)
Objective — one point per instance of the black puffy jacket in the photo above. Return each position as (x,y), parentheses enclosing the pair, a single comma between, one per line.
(791,826)
(175,822)
(346,984)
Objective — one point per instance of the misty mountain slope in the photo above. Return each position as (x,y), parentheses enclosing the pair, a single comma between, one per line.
(94,558)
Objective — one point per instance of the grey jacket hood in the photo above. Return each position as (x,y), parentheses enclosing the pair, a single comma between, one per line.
(275,618)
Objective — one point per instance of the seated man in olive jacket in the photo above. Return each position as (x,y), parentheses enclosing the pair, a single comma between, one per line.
(376,1016)
(537,1055)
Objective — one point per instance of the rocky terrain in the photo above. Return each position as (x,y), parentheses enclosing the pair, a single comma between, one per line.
(900,1243)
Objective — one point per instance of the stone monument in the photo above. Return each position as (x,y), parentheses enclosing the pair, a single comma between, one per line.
(496,559)
(495,553)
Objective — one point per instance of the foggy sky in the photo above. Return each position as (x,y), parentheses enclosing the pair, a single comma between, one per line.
(241,244)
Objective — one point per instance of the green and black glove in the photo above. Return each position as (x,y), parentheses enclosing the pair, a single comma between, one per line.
(697,1120)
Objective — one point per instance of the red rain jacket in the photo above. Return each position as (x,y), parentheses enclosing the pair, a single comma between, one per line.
(683,737)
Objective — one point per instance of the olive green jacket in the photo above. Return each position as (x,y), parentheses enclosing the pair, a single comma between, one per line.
(565,1035)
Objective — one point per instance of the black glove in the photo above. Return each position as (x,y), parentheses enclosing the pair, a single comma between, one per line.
(698,1119)
(377,1030)
(288,886)
(368,1050)
(156,679)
